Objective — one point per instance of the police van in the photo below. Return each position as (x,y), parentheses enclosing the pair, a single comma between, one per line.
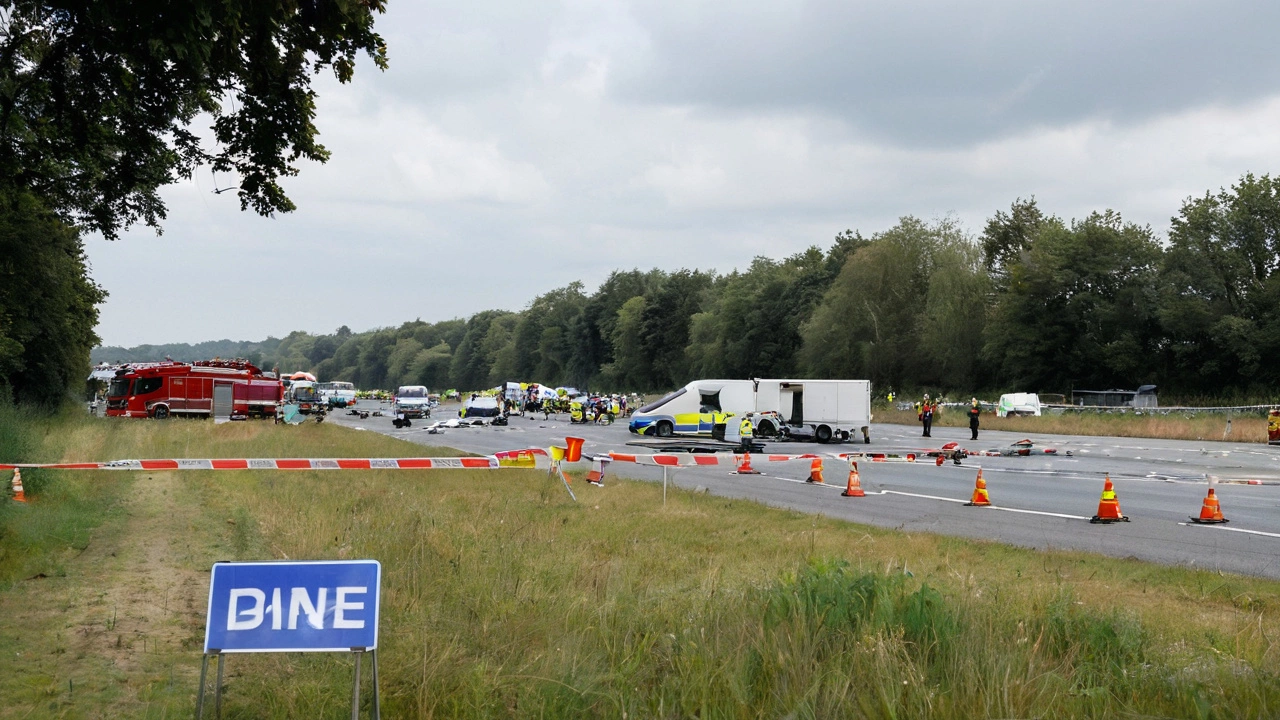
(820,410)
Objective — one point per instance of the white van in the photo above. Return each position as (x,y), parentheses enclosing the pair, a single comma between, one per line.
(412,401)
(822,410)
(337,393)
(1018,404)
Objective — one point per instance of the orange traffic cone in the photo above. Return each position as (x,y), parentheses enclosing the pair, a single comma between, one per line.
(815,471)
(1108,506)
(855,483)
(745,468)
(980,496)
(1210,512)
(19,495)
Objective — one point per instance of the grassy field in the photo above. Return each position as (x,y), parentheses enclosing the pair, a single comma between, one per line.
(504,598)
(1204,426)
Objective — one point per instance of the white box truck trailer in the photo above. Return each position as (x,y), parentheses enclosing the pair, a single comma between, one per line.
(821,410)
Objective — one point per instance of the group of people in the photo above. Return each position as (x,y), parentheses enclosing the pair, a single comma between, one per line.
(926,408)
(598,408)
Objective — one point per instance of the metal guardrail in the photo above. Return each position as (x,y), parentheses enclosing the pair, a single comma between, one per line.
(1119,409)
(1163,410)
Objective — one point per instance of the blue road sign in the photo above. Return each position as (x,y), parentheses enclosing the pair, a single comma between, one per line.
(322,606)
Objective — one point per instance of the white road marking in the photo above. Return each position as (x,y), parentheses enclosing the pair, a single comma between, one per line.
(992,507)
(934,497)
(1231,529)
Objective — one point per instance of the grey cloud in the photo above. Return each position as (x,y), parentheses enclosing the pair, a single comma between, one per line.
(944,73)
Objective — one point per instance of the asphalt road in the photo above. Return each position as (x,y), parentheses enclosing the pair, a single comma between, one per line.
(1039,501)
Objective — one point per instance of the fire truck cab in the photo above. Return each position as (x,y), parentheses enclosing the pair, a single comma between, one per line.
(219,388)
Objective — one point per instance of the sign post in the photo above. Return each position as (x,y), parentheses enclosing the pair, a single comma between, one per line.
(317,606)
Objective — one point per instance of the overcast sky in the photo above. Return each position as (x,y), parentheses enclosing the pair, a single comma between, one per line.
(557,141)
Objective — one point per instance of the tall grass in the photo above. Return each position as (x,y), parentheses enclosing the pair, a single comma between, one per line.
(39,538)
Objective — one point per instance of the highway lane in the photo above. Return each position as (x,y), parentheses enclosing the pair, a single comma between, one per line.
(1042,501)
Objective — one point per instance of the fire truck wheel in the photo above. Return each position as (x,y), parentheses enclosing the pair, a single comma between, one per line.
(161,413)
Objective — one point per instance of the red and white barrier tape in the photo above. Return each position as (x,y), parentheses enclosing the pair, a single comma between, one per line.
(700,459)
(524,458)
(274,464)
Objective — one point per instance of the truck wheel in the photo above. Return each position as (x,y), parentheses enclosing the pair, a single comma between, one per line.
(665,430)
(822,434)
(161,413)
(766,429)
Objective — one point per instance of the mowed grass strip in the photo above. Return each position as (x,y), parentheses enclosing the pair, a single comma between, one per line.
(35,540)
(104,574)
(501,597)
(1199,427)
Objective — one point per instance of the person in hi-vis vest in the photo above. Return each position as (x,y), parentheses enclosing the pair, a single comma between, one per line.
(746,432)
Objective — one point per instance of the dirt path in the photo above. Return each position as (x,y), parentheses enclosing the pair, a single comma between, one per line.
(147,580)
(127,615)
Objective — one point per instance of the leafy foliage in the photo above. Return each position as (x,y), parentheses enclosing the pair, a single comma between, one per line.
(1081,306)
(47,303)
(97,99)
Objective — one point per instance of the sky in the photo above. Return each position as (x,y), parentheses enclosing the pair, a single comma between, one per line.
(514,147)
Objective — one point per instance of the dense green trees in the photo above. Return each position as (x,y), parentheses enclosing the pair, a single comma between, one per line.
(1033,303)
(1220,291)
(906,309)
(48,304)
(1080,308)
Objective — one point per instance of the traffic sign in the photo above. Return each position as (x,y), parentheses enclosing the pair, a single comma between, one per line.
(320,606)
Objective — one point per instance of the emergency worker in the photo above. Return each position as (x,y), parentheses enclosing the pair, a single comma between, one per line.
(746,431)
(575,412)
(974,412)
(926,415)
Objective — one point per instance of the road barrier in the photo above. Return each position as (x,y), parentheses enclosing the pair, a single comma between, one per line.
(1210,511)
(980,497)
(471,463)
(1109,506)
(854,488)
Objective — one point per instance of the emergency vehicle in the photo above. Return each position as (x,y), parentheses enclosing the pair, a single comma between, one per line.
(337,393)
(412,401)
(222,388)
(306,396)
(799,409)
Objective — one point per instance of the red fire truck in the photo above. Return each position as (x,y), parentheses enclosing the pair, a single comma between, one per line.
(219,388)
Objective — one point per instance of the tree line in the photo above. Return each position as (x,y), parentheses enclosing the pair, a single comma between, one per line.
(1033,302)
